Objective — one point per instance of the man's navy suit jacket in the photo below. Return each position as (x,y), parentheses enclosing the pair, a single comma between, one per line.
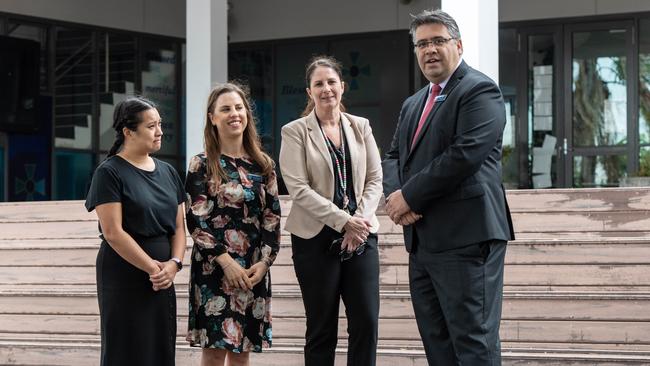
(452,175)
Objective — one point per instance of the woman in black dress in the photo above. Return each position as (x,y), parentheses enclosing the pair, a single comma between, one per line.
(233,215)
(138,200)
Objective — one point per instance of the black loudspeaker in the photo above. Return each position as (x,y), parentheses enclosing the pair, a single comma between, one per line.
(19,84)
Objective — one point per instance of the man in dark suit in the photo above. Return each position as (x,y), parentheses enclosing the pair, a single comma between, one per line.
(442,180)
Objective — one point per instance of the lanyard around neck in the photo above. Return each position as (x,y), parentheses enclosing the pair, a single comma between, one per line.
(341,167)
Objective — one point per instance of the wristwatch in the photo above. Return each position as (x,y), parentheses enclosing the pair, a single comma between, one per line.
(179,263)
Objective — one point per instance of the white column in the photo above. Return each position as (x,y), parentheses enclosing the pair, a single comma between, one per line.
(478,21)
(206,65)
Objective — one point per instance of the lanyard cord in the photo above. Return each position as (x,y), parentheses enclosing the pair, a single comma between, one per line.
(342,171)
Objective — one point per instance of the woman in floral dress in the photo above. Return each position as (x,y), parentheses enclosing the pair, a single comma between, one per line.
(233,217)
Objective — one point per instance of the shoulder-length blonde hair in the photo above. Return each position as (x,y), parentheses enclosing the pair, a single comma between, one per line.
(251,141)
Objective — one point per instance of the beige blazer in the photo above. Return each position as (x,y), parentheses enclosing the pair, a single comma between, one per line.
(308,173)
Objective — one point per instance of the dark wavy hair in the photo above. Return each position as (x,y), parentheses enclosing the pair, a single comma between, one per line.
(128,113)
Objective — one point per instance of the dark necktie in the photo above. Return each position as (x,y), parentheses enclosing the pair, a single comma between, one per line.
(434,91)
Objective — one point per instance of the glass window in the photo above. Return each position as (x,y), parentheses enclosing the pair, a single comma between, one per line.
(362,61)
(35,33)
(19,86)
(542,135)
(254,68)
(160,84)
(598,171)
(74,172)
(183,129)
(599,88)
(290,95)
(644,161)
(508,85)
(29,167)
(644,97)
(73,86)
(117,64)
(361,69)
(377,72)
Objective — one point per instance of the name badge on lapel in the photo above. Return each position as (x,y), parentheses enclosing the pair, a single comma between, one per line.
(440,98)
(256,178)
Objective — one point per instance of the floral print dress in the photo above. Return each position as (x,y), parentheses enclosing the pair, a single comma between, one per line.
(240,217)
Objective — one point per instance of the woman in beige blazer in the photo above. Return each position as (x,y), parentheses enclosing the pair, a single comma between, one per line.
(331,166)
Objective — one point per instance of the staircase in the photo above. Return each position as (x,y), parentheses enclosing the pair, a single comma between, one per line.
(577,286)
(73,86)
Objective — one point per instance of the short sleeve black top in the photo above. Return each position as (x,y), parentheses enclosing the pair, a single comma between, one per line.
(149,199)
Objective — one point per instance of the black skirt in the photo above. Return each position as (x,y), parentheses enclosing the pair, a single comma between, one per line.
(138,324)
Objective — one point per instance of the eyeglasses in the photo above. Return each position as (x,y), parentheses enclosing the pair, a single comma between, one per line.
(436,42)
(343,254)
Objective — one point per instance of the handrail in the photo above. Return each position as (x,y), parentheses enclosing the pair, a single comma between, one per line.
(75,54)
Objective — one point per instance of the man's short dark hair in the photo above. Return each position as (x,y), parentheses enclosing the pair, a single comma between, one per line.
(434,17)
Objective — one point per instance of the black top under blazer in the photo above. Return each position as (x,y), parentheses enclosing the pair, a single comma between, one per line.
(452,176)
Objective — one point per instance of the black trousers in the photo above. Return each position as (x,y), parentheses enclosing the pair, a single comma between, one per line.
(324,280)
(457,297)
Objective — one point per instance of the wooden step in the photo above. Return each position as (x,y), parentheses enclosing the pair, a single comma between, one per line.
(520,201)
(82,253)
(54,354)
(390,239)
(599,224)
(394,304)
(579,200)
(576,293)
(538,353)
(515,275)
(88,355)
(630,333)
(383,345)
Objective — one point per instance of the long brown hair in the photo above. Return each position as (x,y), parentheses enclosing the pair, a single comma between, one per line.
(252,144)
(324,61)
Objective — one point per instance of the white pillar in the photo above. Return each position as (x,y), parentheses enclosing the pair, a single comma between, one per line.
(478,21)
(206,64)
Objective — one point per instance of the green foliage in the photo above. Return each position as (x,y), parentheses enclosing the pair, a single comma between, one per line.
(644,163)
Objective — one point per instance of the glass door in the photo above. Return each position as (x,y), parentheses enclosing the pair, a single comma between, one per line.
(544,134)
(508,82)
(599,122)
(531,77)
